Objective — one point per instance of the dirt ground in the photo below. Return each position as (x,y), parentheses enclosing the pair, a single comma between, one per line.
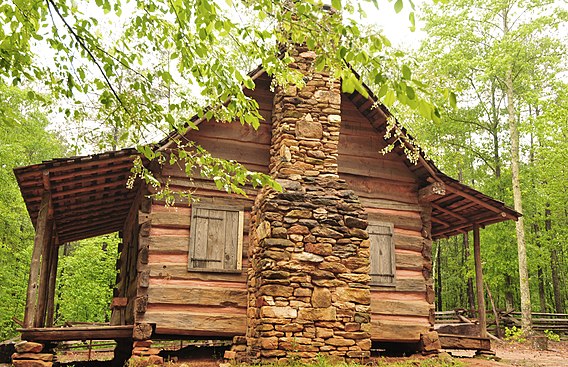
(515,354)
(507,354)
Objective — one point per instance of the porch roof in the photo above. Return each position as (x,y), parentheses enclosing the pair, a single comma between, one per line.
(88,193)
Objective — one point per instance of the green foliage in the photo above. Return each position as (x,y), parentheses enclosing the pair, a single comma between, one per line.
(86,280)
(515,334)
(175,60)
(468,51)
(24,141)
(552,336)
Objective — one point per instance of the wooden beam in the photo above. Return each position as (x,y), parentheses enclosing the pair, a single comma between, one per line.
(441,222)
(480,202)
(46,259)
(432,192)
(50,312)
(479,282)
(77,333)
(464,342)
(450,213)
(42,231)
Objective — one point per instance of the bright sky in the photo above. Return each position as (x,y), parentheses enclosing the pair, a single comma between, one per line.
(396,26)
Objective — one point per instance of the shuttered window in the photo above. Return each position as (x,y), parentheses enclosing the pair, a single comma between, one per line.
(216,238)
(383,265)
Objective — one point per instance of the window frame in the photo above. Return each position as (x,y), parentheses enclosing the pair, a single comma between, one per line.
(239,228)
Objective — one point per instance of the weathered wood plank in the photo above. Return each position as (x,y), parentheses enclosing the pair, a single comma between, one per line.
(469,342)
(179,271)
(211,296)
(366,187)
(397,331)
(197,324)
(409,260)
(398,307)
(375,167)
(77,333)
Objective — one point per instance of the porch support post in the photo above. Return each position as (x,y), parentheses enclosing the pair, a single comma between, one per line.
(43,234)
(479,282)
(46,256)
(51,286)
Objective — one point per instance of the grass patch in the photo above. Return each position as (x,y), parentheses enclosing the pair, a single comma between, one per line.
(444,360)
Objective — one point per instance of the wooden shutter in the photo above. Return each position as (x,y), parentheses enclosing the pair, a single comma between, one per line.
(383,263)
(216,236)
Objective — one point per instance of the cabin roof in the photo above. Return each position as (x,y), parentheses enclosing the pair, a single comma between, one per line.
(90,197)
(88,193)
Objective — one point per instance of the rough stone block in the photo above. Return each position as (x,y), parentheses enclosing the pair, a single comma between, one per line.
(278,312)
(317,314)
(31,363)
(28,347)
(340,342)
(47,357)
(321,297)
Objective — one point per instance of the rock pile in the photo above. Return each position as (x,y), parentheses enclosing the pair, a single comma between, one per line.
(29,354)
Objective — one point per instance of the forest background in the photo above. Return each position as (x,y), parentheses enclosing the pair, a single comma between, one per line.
(481,67)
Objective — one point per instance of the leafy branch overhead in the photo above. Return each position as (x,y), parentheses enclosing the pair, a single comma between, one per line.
(151,65)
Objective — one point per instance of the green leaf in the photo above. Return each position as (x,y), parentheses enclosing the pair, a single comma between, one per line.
(336,4)
(453,100)
(406,72)
(398,6)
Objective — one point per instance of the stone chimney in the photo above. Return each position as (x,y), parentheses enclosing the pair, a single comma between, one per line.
(308,281)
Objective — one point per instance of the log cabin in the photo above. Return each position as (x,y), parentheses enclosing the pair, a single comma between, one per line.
(336,262)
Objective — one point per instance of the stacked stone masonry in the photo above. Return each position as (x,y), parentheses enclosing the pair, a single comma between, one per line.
(31,354)
(308,283)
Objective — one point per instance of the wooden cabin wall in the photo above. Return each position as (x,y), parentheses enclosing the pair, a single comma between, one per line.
(126,284)
(389,192)
(182,302)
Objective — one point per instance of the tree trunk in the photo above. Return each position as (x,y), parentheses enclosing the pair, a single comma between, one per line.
(526,321)
(554,268)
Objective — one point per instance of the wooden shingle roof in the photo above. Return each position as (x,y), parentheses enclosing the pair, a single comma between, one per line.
(89,194)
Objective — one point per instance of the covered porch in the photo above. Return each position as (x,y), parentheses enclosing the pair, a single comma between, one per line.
(68,200)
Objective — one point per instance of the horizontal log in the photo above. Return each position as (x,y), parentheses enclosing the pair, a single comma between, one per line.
(206,297)
(399,221)
(404,285)
(464,342)
(409,260)
(388,204)
(196,324)
(168,244)
(397,331)
(366,187)
(77,333)
(234,131)
(375,167)
(382,306)
(179,271)
(405,242)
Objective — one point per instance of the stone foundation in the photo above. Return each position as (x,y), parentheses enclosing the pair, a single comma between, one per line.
(308,281)
(30,354)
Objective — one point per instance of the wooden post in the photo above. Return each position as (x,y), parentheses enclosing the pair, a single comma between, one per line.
(479,282)
(46,260)
(42,232)
(51,286)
